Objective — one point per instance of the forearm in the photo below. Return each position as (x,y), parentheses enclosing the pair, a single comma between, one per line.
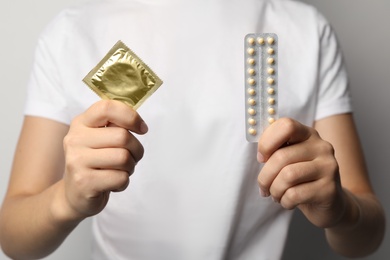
(33,226)
(361,229)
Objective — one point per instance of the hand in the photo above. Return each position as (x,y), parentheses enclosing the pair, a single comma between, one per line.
(301,171)
(100,159)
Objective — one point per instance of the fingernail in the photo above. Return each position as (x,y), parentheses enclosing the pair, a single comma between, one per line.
(143,127)
(260,157)
(262,193)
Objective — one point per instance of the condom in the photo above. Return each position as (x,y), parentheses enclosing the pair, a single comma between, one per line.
(122,75)
(261,83)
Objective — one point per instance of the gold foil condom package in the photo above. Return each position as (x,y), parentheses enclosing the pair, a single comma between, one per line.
(122,75)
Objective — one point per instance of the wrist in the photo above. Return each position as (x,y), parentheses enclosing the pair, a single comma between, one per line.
(351,216)
(61,213)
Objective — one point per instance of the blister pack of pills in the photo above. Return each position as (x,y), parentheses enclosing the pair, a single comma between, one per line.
(261,83)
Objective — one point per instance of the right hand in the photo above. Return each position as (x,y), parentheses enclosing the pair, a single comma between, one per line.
(100,156)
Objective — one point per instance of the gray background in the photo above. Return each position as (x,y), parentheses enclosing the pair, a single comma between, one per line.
(363,31)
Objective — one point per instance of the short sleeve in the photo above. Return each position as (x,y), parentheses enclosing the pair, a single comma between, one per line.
(45,94)
(333,95)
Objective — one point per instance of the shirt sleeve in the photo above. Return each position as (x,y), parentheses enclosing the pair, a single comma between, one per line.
(333,95)
(45,94)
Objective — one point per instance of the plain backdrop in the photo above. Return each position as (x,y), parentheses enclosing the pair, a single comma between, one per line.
(364,34)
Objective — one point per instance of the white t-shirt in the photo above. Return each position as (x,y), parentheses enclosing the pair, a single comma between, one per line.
(194,195)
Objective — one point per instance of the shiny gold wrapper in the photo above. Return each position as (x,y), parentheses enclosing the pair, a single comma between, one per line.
(122,75)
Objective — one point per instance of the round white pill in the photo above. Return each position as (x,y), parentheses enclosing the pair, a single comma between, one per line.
(270,81)
(251,91)
(251,121)
(271,71)
(251,102)
(251,40)
(271,111)
(251,111)
(251,72)
(251,51)
(251,81)
(251,61)
(271,120)
(260,40)
(252,131)
(271,91)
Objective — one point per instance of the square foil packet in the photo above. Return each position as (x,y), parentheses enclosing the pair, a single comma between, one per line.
(122,75)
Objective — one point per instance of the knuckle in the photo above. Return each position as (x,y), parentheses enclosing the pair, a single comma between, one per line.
(293,196)
(287,123)
(69,141)
(101,109)
(333,165)
(122,181)
(141,152)
(123,156)
(131,170)
(290,174)
(74,135)
(333,170)
(66,142)
(122,137)
(327,148)
(122,178)
(76,120)
(287,205)
(133,117)
(74,161)
(280,155)
(328,159)
(78,179)
(104,106)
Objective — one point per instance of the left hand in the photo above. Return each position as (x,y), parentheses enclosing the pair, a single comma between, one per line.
(301,171)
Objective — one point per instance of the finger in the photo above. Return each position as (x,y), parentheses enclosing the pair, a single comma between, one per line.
(111,159)
(109,180)
(105,112)
(279,160)
(305,193)
(114,137)
(291,176)
(283,131)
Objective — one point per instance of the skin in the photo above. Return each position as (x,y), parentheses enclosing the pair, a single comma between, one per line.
(47,199)
(44,201)
(321,171)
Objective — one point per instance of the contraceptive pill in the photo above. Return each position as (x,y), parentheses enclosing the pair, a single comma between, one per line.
(261,83)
